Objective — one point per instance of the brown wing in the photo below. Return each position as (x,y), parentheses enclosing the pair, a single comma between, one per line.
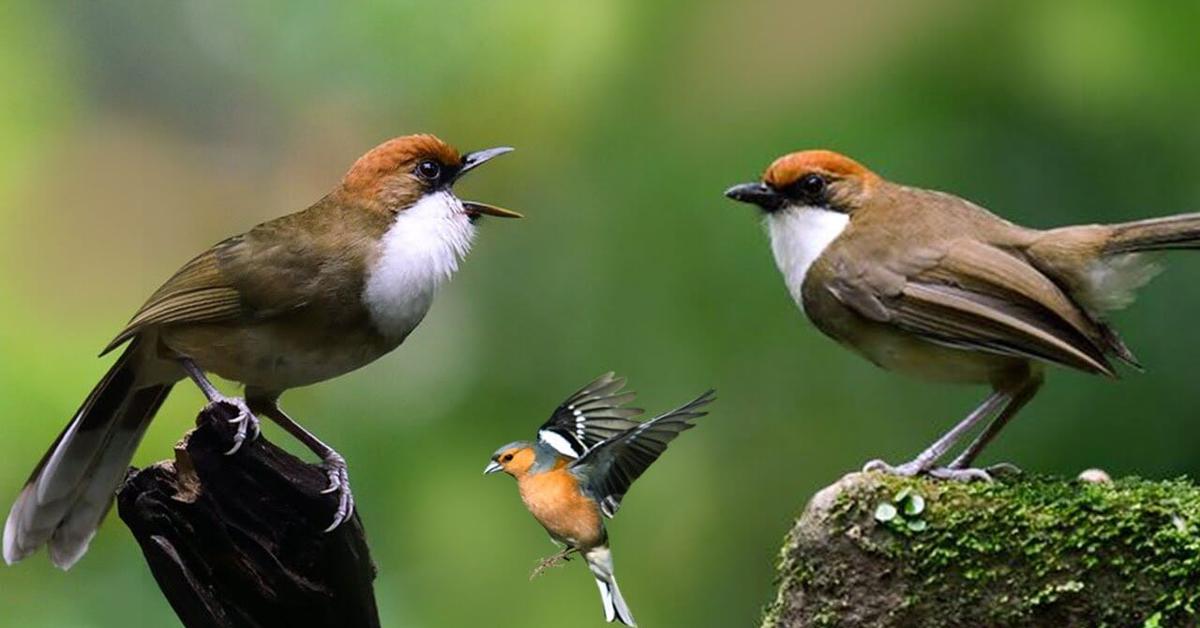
(212,287)
(975,296)
(198,292)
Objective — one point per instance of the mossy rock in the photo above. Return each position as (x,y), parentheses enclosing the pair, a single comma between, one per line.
(876,550)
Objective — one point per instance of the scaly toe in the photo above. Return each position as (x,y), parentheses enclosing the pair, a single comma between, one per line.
(244,419)
(339,482)
(908,469)
(961,475)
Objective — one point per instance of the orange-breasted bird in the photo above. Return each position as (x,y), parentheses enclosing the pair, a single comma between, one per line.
(294,301)
(581,465)
(932,285)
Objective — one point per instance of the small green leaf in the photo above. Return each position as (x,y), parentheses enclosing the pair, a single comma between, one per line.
(902,495)
(915,505)
(917,525)
(885,512)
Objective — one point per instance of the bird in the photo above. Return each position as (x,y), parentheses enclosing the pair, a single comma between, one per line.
(930,285)
(293,301)
(577,471)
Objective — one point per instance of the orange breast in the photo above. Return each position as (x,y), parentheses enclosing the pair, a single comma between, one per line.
(555,501)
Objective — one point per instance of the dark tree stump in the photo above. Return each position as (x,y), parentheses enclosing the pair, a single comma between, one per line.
(239,540)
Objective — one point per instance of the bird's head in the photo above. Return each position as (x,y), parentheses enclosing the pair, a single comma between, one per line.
(401,172)
(818,179)
(514,459)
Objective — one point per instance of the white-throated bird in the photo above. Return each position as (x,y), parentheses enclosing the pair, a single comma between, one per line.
(931,285)
(294,301)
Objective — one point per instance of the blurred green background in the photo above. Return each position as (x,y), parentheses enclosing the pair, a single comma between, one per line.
(133,134)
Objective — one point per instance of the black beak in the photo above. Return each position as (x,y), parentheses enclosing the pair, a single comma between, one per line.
(756,194)
(470,161)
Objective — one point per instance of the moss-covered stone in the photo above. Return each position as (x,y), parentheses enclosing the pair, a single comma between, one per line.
(1020,551)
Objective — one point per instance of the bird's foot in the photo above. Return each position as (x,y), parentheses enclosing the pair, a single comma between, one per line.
(244,421)
(339,482)
(551,562)
(907,470)
(966,474)
(998,469)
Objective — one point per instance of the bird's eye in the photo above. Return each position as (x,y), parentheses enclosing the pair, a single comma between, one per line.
(811,184)
(429,170)
(506,458)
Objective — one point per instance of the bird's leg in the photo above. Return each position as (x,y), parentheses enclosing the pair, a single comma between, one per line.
(552,561)
(334,463)
(247,423)
(1025,390)
(928,458)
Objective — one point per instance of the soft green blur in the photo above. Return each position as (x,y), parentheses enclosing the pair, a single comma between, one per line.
(134,134)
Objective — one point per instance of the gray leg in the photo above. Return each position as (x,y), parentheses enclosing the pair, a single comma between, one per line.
(1020,396)
(928,458)
(334,463)
(247,423)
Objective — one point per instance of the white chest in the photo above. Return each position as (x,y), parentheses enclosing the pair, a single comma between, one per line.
(798,236)
(419,252)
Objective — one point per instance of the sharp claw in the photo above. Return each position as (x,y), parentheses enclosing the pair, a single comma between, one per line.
(339,481)
(247,423)
(875,465)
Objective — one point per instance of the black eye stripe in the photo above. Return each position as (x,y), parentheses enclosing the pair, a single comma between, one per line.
(810,189)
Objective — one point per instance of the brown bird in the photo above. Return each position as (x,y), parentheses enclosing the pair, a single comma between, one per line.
(294,301)
(929,284)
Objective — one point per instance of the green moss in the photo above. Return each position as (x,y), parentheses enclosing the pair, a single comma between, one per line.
(1029,550)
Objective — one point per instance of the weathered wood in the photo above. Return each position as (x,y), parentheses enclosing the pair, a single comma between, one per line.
(238,540)
(1022,551)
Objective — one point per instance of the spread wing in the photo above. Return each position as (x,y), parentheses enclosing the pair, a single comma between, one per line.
(607,470)
(594,413)
(976,296)
(209,288)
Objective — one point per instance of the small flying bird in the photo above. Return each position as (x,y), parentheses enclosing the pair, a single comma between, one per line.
(580,467)
(932,285)
(294,301)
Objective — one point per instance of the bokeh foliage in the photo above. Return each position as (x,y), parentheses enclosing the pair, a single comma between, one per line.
(133,134)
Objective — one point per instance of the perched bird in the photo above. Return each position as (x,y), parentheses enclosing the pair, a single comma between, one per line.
(580,467)
(932,285)
(294,301)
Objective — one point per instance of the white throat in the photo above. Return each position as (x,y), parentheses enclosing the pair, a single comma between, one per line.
(418,253)
(798,237)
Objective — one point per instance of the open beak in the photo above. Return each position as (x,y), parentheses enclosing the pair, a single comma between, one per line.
(756,193)
(492,467)
(475,208)
(471,161)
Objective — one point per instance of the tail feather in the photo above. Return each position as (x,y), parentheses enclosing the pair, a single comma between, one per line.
(72,487)
(599,560)
(1170,232)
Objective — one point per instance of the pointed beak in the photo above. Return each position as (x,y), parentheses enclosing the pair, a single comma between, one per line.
(475,209)
(470,161)
(756,193)
(492,467)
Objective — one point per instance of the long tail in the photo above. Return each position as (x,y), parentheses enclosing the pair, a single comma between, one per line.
(599,560)
(72,487)
(1170,232)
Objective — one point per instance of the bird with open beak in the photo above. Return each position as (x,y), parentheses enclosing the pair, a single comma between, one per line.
(581,465)
(294,301)
(932,285)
